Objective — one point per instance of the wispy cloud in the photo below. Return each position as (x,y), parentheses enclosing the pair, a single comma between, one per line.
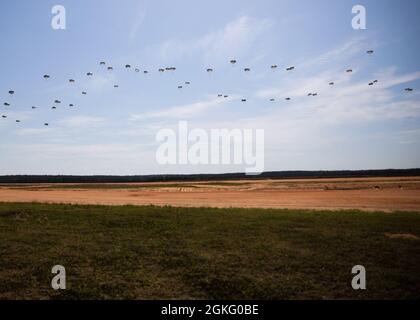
(184,111)
(80,121)
(232,40)
(138,21)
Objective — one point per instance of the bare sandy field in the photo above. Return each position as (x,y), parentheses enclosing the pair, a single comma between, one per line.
(384,194)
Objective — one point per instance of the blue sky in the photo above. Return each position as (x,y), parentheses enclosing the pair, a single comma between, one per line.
(112,131)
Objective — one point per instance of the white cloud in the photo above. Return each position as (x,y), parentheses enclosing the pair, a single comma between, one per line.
(231,41)
(80,121)
(138,22)
(184,111)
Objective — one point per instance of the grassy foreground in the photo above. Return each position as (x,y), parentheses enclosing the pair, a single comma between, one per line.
(184,253)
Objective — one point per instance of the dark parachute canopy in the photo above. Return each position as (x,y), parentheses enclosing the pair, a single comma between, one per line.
(71,80)
(127,66)
(209,70)
(6,104)
(369,52)
(110,68)
(46,76)
(290,68)
(331,83)
(409,89)
(349,70)
(274,66)
(11,92)
(102,63)
(247,69)
(89,74)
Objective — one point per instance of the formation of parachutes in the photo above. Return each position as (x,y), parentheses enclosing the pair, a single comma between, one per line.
(233,62)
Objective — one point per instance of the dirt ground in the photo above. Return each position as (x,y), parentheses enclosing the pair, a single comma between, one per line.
(384,194)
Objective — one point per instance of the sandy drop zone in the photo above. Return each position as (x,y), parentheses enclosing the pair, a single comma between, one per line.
(382,194)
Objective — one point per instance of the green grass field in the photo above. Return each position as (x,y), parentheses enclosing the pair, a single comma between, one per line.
(198,253)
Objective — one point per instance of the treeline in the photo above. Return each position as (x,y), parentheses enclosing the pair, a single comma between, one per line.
(201,177)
